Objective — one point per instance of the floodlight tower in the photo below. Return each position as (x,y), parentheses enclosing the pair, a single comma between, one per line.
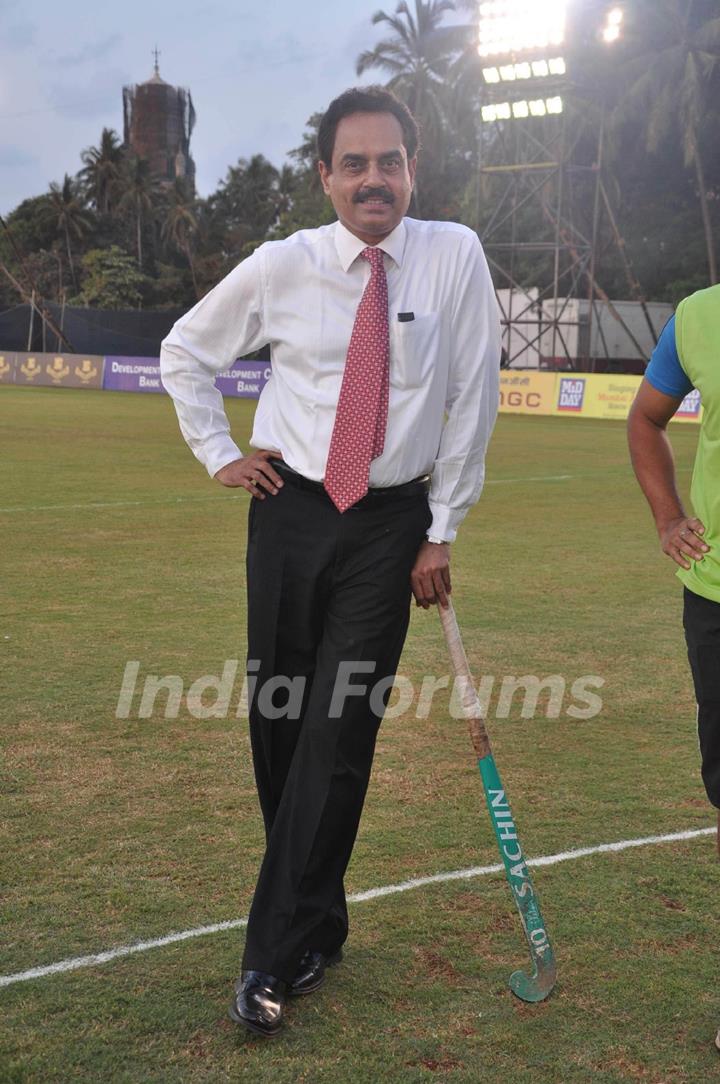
(528,174)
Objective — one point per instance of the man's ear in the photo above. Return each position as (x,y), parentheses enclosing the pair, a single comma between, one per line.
(324,177)
(412,166)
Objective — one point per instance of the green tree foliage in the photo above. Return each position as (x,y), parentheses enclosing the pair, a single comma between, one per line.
(418,55)
(102,171)
(245,207)
(180,224)
(139,199)
(110,280)
(66,209)
(303,203)
(674,51)
(655,95)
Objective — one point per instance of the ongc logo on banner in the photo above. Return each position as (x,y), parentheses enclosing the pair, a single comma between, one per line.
(690,406)
(30,368)
(86,371)
(57,369)
(571,394)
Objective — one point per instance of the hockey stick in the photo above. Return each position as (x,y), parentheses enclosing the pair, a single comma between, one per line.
(537,986)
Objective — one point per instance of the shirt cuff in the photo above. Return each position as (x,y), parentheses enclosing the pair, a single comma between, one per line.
(217,452)
(445,521)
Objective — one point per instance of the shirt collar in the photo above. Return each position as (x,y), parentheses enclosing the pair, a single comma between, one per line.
(349,246)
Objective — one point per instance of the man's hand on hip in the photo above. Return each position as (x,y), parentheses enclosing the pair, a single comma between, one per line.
(253,473)
(681,538)
(430,577)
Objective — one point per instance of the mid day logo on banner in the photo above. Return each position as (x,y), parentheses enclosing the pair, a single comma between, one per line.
(571,394)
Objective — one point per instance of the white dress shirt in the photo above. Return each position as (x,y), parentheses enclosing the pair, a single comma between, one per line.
(300,295)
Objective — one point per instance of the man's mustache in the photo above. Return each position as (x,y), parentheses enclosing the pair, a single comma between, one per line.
(374,193)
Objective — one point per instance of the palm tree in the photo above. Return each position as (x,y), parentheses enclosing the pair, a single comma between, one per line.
(421,58)
(66,207)
(416,58)
(140,196)
(287,184)
(180,224)
(245,205)
(676,48)
(101,171)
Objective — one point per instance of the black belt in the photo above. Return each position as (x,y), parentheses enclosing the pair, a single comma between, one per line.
(418,485)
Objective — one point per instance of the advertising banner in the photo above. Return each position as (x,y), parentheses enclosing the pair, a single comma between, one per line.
(245,380)
(59,370)
(610,396)
(690,410)
(7,368)
(132,374)
(596,395)
(570,397)
(526,392)
(522,391)
(599,395)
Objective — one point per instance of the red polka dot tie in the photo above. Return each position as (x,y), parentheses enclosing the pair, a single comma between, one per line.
(359,432)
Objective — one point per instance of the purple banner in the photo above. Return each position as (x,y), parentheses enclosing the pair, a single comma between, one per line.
(245,380)
(132,374)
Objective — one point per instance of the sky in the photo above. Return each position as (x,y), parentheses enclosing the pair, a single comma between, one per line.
(256,72)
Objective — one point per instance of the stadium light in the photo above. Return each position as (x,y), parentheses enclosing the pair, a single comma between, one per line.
(521,108)
(514,26)
(613,26)
(508,29)
(536,69)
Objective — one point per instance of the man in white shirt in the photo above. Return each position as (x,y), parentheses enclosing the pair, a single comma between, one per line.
(385,344)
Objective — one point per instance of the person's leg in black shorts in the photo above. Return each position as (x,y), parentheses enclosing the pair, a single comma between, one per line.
(701,619)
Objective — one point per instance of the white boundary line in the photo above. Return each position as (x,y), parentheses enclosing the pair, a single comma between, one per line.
(115,504)
(77,962)
(227,497)
(222,497)
(539,478)
(236,496)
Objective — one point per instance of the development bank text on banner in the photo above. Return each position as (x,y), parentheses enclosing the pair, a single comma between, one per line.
(245,380)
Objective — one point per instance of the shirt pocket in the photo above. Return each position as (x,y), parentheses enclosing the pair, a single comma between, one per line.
(414,347)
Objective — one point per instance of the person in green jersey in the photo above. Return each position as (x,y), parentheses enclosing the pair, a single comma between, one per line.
(687,358)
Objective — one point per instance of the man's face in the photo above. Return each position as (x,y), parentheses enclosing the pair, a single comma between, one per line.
(370,183)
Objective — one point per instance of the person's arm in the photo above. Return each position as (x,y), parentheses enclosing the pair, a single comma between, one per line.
(225,324)
(652,459)
(471,405)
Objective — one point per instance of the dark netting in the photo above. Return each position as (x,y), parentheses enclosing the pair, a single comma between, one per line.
(127,332)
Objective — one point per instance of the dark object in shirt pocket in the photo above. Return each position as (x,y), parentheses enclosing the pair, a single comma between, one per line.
(406,317)
(414,350)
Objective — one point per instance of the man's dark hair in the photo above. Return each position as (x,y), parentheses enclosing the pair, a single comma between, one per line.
(365,100)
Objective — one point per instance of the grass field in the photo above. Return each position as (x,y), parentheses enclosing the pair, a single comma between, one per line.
(117,547)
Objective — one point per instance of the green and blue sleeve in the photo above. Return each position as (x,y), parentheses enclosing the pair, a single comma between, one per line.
(664,370)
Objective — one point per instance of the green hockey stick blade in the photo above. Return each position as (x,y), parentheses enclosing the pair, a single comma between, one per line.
(538,985)
(535,987)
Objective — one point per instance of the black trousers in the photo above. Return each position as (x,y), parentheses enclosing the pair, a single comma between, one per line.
(325,591)
(701,618)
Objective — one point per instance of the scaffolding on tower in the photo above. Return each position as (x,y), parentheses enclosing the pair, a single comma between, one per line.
(540,170)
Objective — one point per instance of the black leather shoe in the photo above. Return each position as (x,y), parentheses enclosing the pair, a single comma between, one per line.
(259,1002)
(311,972)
